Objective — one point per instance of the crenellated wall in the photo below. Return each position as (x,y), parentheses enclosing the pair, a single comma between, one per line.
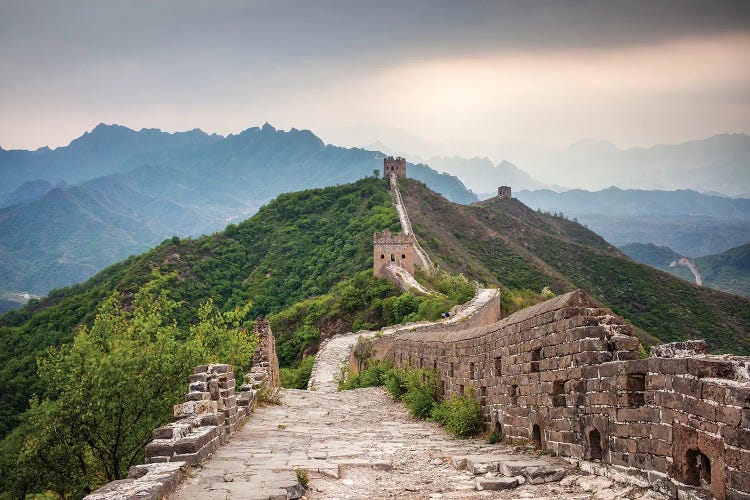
(211,413)
(567,375)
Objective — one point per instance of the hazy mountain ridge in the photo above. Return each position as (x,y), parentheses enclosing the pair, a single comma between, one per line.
(481,175)
(719,163)
(194,183)
(692,223)
(728,271)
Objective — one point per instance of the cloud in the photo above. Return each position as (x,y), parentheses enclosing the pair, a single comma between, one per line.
(434,66)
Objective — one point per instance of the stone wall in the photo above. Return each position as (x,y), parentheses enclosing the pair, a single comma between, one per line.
(566,375)
(265,371)
(211,413)
(396,166)
(392,249)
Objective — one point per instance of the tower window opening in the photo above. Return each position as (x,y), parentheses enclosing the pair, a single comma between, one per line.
(393,257)
(595,444)
(536,436)
(698,472)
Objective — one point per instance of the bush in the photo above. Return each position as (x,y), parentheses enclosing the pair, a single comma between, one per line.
(421,393)
(395,383)
(494,437)
(297,378)
(461,415)
(372,376)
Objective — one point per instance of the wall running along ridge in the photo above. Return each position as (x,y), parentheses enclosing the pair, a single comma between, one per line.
(211,413)
(422,259)
(566,375)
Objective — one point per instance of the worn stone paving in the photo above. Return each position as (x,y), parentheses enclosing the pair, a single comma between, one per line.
(333,353)
(360,444)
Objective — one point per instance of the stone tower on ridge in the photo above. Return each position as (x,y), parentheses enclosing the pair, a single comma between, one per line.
(503,192)
(395,249)
(393,165)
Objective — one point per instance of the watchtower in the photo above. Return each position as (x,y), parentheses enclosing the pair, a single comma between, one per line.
(395,249)
(393,165)
(503,192)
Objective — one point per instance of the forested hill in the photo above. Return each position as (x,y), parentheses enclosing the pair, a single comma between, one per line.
(297,246)
(302,244)
(728,271)
(504,241)
(125,190)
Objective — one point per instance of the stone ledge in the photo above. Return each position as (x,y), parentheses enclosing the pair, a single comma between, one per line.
(144,482)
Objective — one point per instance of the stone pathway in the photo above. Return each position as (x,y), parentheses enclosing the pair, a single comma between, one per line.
(333,353)
(360,444)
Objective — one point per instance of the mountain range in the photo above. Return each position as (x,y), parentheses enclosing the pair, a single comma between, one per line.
(720,163)
(692,223)
(302,244)
(67,213)
(728,271)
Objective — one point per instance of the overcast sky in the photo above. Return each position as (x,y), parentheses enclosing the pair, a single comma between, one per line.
(461,74)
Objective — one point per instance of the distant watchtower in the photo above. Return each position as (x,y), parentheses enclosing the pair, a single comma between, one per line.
(503,192)
(395,249)
(393,165)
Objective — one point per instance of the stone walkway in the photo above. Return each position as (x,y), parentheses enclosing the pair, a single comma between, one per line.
(360,444)
(333,353)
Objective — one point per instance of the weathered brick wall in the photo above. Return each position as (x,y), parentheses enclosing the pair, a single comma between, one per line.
(566,374)
(211,413)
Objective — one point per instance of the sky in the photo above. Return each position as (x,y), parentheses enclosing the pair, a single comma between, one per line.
(457,76)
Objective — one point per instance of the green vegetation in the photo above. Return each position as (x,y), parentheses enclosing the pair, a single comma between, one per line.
(298,246)
(494,437)
(505,243)
(728,271)
(418,390)
(460,414)
(303,478)
(362,302)
(297,378)
(111,387)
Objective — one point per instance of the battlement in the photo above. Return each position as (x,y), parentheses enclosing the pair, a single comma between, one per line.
(387,238)
(393,165)
(504,192)
(397,249)
(567,376)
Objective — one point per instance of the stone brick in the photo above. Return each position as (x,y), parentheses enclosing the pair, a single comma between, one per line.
(712,368)
(195,441)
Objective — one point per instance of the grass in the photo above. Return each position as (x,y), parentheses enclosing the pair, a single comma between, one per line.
(504,243)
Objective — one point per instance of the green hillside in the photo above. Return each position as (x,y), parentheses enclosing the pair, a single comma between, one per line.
(505,242)
(728,271)
(306,244)
(297,246)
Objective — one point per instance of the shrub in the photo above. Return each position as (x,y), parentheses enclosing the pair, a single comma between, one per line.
(297,378)
(421,393)
(461,415)
(395,383)
(373,375)
(494,437)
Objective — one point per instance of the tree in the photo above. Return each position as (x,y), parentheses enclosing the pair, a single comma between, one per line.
(376,173)
(117,381)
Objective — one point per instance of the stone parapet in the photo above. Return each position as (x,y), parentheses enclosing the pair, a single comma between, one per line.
(211,413)
(566,375)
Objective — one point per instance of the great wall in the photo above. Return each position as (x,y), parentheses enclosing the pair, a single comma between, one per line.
(564,376)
